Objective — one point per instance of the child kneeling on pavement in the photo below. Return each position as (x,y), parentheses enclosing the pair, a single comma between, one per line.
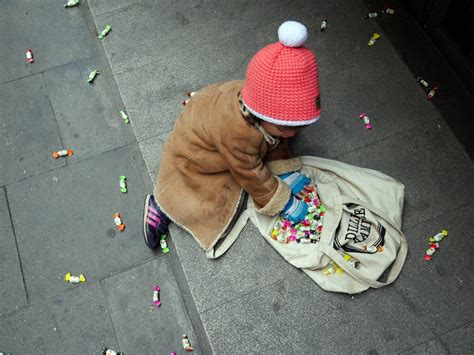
(231,139)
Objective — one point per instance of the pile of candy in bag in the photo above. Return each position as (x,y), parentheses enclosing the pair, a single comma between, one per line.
(306,231)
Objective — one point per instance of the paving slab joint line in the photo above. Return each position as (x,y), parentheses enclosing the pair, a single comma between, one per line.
(22,77)
(437,337)
(54,115)
(16,245)
(17,309)
(246,294)
(90,21)
(33,175)
(110,314)
(45,70)
(71,163)
(154,136)
(128,268)
(77,160)
(188,301)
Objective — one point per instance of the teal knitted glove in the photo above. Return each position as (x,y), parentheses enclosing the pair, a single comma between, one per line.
(295,210)
(296,181)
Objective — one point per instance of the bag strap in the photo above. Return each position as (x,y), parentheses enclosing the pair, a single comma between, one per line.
(347,267)
(214,253)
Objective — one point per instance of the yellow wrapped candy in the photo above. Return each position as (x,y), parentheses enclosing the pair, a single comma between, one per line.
(74,279)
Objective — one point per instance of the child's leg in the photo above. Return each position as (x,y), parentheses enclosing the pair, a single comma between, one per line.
(155,222)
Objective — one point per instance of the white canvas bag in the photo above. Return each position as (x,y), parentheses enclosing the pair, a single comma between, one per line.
(363,212)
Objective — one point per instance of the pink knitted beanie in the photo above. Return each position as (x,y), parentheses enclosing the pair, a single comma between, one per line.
(282,84)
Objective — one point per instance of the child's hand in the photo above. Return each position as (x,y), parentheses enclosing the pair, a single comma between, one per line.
(295,210)
(296,181)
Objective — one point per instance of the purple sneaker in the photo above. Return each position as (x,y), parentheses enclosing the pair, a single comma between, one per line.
(155,223)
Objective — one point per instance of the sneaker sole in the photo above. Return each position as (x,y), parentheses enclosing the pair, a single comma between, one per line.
(147,199)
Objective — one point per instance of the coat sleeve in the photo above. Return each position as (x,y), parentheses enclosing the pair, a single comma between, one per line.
(242,154)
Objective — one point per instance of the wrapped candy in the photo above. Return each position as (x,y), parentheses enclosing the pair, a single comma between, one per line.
(422,82)
(366,120)
(123,183)
(156,296)
(118,222)
(62,153)
(72,3)
(124,116)
(429,253)
(74,279)
(164,245)
(29,56)
(324,25)
(355,263)
(439,237)
(371,249)
(108,351)
(434,245)
(332,268)
(430,91)
(92,76)
(386,10)
(374,38)
(186,344)
(105,32)
(373,14)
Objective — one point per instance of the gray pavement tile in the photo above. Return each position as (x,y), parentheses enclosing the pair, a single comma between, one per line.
(441,289)
(75,323)
(457,341)
(152,149)
(153,94)
(285,311)
(141,327)
(348,88)
(87,114)
(12,289)
(64,220)
(391,98)
(355,78)
(28,128)
(429,161)
(410,311)
(148,30)
(293,315)
(56,36)
(248,265)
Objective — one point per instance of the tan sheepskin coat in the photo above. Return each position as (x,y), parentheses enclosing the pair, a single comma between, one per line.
(210,157)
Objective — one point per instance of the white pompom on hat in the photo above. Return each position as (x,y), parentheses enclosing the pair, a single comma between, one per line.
(281,84)
(292,34)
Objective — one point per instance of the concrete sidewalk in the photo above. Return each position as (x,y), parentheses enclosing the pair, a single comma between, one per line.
(55,215)
(251,301)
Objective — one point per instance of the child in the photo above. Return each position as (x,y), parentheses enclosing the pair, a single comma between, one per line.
(231,139)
